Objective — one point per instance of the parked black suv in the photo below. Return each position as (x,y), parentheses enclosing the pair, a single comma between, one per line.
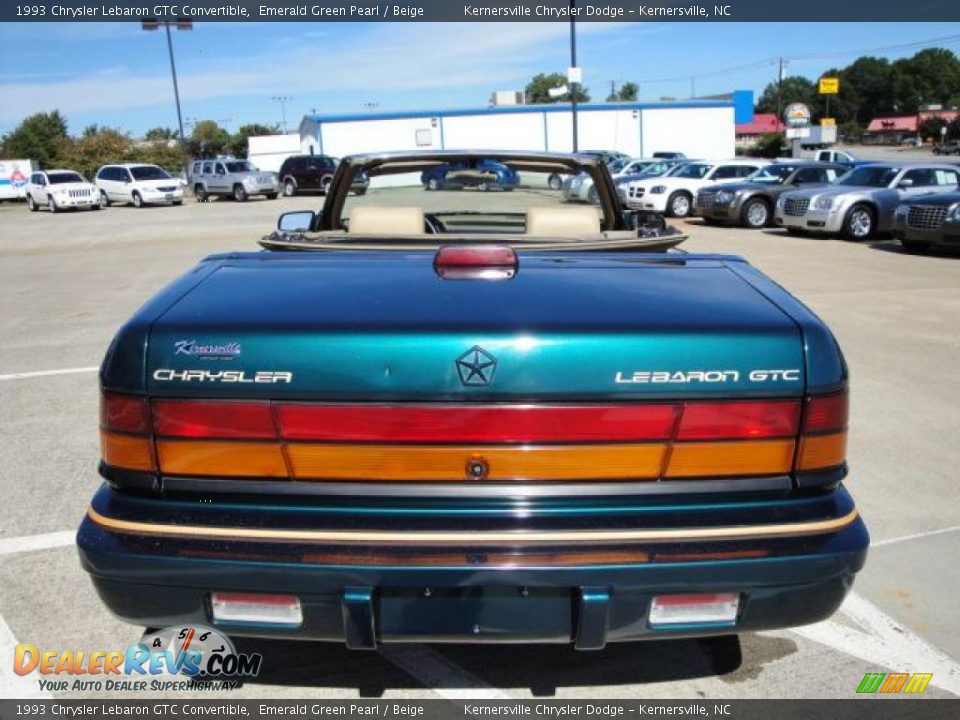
(313,173)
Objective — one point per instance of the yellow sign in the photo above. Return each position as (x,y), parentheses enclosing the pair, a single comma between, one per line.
(829,85)
(827,122)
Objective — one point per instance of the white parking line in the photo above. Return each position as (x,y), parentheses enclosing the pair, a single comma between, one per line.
(48,373)
(13,686)
(883,642)
(914,536)
(30,543)
(445,678)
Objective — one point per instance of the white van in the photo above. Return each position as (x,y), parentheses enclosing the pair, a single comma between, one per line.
(137,184)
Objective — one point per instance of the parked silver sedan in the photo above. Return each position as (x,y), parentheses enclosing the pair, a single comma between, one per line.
(862,202)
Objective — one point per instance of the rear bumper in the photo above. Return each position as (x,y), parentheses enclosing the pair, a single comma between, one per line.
(157,581)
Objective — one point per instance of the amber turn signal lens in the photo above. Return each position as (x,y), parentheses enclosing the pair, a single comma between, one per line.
(229,459)
(437,463)
(126,451)
(718,459)
(820,452)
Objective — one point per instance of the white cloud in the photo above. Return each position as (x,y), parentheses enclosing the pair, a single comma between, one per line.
(387,58)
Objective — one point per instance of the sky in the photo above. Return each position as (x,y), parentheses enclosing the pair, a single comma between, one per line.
(117,75)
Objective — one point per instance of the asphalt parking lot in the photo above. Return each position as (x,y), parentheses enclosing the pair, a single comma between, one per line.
(67,281)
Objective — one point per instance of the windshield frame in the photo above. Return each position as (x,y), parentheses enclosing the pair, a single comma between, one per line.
(895,169)
(248,166)
(74,177)
(708,167)
(331,215)
(791,170)
(151,168)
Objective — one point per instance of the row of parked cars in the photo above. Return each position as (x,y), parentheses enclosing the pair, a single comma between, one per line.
(919,203)
(136,184)
(140,184)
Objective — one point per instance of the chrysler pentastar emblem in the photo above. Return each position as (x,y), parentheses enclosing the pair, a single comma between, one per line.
(476,366)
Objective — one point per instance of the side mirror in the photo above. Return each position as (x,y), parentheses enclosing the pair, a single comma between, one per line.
(299,221)
(905,184)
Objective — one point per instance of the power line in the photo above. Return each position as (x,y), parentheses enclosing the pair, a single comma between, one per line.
(792,58)
(900,46)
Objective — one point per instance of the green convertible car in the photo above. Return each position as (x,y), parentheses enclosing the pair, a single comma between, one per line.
(496,418)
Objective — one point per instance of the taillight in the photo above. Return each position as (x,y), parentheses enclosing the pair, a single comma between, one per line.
(215,419)
(475,262)
(747,420)
(125,432)
(823,436)
(477,423)
(473,442)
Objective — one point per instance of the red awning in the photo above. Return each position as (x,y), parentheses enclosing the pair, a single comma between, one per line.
(762,123)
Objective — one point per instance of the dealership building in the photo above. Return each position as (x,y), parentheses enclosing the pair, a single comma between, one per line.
(699,128)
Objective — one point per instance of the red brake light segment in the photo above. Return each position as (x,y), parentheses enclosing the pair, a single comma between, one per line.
(479,424)
(826,413)
(205,419)
(736,420)
(475,256)
(124,413)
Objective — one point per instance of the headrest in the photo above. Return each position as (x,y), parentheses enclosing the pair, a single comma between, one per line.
(563,221)
(377,220)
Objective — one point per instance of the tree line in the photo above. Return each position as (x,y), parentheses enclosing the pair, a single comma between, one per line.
(873,86)
(44,137)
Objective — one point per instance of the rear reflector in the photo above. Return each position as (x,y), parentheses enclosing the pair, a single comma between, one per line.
(212,419)
(481,424)
(126,451)
(476,463)
(124,413)
(228,459)
(256,609)
(713,608)
(717,459)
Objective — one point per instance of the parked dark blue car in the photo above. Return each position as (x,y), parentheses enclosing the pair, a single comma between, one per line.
(482,174)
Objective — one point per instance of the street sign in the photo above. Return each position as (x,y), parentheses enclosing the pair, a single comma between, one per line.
(797,115)
(828,122)
(829,85)
(574,75)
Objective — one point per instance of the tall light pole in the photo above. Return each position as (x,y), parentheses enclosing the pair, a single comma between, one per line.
(573,69)
(151,24)
(283,100)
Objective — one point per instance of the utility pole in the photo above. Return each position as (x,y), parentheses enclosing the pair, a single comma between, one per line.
(781,65)
(693,87)
(573,65)
(283,100)
(151,24)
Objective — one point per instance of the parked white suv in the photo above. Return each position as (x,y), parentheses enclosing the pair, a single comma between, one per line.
(59,190)
(673,194)
(137,184)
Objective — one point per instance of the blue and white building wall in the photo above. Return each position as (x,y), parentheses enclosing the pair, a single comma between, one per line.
(698,128)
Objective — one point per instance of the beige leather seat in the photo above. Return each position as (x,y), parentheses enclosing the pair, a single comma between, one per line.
(377,220)
(571,222)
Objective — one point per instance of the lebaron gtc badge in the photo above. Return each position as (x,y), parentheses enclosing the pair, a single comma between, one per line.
(476,366)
